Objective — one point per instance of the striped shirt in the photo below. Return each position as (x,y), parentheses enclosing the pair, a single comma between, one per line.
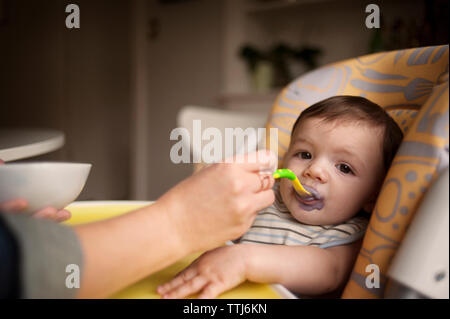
(275,225)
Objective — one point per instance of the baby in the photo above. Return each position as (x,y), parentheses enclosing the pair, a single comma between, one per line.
(340,150)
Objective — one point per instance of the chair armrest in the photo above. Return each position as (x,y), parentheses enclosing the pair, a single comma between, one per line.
(421,266)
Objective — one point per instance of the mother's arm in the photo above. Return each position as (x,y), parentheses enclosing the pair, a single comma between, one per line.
(217,204)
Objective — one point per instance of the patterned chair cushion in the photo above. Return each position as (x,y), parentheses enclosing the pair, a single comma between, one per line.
(412,85)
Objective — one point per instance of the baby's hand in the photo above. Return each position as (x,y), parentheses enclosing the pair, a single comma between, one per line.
(211,274)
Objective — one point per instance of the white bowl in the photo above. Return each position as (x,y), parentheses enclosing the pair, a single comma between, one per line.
(43,184)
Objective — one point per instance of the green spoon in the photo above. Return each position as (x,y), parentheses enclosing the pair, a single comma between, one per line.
(287,173)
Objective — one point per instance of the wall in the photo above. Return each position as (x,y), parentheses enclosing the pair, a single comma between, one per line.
(116,85)
(90,84)
(76,81)
(338,27)
(184,65)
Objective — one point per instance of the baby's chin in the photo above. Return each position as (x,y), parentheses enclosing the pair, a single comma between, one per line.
(293,205)
(317,217)
(310,216)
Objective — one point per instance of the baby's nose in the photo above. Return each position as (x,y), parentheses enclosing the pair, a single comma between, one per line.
(317,172)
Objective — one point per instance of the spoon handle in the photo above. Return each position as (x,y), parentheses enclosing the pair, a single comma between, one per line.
(287,173)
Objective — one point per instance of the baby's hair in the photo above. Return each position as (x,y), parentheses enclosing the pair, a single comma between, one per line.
(357,109)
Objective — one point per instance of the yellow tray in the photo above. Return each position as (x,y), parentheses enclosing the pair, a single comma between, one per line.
(90,211)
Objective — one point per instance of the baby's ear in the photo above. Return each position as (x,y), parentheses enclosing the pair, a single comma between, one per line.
(369,206)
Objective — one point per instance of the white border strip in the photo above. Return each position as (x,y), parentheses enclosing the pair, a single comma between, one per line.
(283,291)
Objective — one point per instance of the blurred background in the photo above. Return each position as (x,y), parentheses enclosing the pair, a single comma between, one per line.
(115,85)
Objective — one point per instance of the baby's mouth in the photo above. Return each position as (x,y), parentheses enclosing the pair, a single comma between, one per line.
(310,202)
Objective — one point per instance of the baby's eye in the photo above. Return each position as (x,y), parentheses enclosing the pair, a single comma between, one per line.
(305,155)
(344,168)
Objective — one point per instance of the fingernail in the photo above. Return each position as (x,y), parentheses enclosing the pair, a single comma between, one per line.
(63,215)
(264,156)
(267,157)
(269,160)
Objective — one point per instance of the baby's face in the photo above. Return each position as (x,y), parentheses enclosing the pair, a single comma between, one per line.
(341,163)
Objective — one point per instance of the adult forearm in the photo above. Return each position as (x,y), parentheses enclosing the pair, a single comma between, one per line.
(202,212)
(125,249)
(303,269)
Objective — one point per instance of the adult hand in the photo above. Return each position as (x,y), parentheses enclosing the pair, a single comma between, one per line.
(220,202)
(19,204)
(16,206)
(216,204)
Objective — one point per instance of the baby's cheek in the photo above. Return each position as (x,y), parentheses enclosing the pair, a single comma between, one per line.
(290,164)
(284,188)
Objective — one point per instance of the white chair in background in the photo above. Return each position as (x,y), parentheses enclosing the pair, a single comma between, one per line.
(220,119)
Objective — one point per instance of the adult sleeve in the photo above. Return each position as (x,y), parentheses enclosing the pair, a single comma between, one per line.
(9,263)
(48,255)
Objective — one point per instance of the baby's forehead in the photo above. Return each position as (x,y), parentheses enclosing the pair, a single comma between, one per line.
(330,126)
(317,123)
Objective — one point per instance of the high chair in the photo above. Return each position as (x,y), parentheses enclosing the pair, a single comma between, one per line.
(412,86)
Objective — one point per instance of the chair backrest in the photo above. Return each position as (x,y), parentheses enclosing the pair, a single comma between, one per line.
(412,85)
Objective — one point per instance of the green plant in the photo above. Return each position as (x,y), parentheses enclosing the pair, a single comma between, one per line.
(252,56)
(281,57)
